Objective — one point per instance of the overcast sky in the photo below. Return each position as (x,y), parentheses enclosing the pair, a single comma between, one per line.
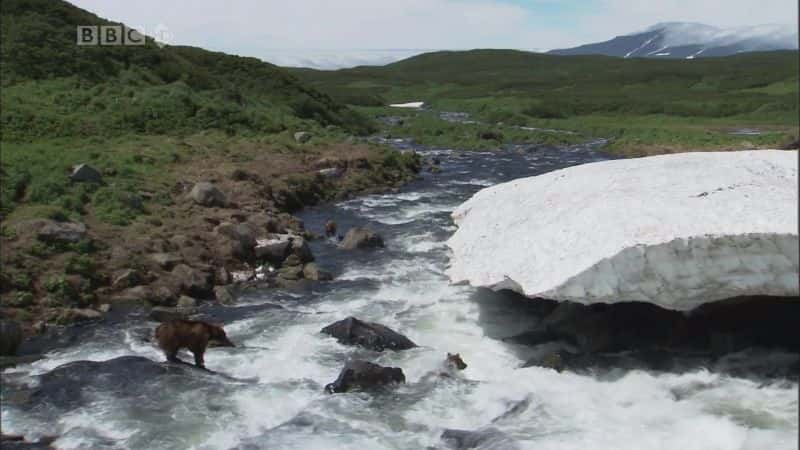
(341,32)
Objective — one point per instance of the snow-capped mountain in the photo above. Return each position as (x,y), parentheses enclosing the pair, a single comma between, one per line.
(691,40)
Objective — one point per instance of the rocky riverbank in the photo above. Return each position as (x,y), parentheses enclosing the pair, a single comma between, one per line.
(218,224)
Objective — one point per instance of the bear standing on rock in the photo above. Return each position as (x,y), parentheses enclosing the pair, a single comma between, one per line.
(330,228)
(192,335)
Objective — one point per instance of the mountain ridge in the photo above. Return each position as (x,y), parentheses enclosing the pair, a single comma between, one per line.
(685,40)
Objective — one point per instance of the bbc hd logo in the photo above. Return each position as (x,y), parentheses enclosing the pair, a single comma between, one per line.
(116,35)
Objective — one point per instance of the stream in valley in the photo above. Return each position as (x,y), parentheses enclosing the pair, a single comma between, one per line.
(268,392)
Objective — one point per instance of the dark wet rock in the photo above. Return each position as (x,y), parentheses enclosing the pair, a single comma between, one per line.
(556,360)
(166,261)
(364,375)
(224,295)
(291,273)
(53,232)
(12,361)
(69,386)
(302,137)
(301,249)
(486,439)
(84,173)
(373,336)
(9,442)
(533,337)
(166,314)
(10,337)
(361,238)
(311,271)
(515,410)
(206,194)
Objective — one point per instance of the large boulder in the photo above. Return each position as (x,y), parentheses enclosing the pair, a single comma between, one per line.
(676,230)
(53,232)
(303,136)
(364,375)
(361,238)
(241,237)
(10,337)
(206,194)
(373,336)
(194,282)
(84,173)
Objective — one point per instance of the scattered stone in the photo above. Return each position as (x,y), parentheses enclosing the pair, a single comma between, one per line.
(435,169)
(166,261)
(50,231)
(10,337)
(373,336)
(303,136)
(186,302)
(222,276)
(361,238)
(224,295)
(127,278)
(242,239)
(65,316)
(291,273)
(195,282)
(333,172)
(364,375)
(104,308)
(273,250)
(84,173)
(311,271)
(206,194)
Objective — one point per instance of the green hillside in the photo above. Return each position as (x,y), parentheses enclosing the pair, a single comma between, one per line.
(647,100)
(53,87)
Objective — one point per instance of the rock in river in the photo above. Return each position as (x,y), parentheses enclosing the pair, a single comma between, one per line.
(365,375)
(361,238)
(675,230)
(373,336)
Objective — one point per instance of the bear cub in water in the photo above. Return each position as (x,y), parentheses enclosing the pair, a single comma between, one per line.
(192,335)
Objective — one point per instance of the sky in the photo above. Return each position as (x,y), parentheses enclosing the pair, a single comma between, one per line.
(337,33)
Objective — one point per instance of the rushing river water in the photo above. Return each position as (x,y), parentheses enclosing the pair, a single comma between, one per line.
(269,390)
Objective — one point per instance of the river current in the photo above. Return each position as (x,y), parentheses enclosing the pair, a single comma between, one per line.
(268,391)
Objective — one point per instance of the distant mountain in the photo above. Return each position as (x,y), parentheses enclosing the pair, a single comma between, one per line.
(691,40)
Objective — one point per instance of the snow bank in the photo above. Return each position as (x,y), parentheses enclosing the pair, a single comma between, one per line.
(412,105)
(674,230)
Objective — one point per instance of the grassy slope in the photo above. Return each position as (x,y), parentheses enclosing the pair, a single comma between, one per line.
(645,104)
(63,104)
(154,121)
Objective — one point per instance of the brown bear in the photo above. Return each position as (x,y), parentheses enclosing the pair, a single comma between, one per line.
(451,365)
(454,362)
(192,335)
(330,228)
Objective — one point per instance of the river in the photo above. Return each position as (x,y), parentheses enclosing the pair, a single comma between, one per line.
(269,390)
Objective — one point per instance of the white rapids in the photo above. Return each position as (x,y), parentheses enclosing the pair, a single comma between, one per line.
(405,287)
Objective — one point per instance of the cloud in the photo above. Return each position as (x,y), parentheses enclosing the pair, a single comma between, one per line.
(334,33)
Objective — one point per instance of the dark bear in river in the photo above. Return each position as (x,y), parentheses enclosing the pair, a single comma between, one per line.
(192,335)
(330,228)
(451,365)
(363,375)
